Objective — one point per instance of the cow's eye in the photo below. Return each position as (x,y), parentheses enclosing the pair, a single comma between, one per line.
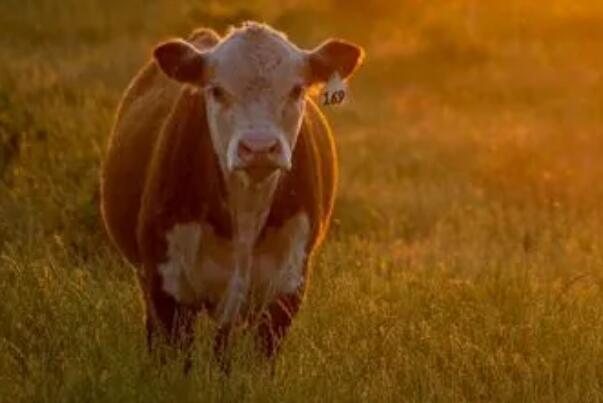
(296,92)
(218,93)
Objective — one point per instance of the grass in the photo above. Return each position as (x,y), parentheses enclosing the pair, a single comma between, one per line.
(465,262)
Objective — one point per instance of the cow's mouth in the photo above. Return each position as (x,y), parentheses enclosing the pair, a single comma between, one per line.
(257,174)
(260,173)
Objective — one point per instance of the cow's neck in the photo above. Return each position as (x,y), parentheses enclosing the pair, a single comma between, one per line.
(249,204)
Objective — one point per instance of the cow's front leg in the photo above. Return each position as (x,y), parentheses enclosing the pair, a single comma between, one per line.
(170,326)
(289,248)
(170,297)
(275,321)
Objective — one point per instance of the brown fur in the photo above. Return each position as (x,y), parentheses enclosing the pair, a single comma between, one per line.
(161,170)
(150,95)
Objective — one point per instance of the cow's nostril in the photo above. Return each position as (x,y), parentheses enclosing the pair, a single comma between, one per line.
(273,149)
(244,149)
(258,148)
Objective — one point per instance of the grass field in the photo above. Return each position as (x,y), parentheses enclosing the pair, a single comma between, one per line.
(465,263)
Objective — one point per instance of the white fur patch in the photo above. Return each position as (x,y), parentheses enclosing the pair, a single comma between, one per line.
(183,246)
(202,266)
(257,66)
(292,269)
(279,264)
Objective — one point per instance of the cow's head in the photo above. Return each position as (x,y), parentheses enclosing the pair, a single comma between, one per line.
(255,81)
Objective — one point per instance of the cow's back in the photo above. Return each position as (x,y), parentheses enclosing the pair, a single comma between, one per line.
(140,118)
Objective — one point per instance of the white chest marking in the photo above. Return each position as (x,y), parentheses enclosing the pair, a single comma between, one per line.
(202,266)
(183,247)
(280,260)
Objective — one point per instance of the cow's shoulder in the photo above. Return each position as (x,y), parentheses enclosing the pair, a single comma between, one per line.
(184,183)
(146,105)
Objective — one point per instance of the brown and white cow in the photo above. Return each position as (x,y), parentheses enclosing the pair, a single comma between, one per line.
(220,177)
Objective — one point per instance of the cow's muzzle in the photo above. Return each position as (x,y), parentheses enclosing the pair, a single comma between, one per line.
(260,154)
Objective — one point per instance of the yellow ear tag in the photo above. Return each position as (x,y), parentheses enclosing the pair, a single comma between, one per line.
(335,91)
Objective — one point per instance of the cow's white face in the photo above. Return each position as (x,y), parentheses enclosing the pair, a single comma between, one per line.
(254,110)
(254,82)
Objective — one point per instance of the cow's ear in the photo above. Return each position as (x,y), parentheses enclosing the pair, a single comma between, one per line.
(180,61)
(334,56)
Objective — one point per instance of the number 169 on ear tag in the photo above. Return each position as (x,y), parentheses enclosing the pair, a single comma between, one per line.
(334,92)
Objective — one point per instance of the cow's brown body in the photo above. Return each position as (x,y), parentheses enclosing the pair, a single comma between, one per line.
(160,171)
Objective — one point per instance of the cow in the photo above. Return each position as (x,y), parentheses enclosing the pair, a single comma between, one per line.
(219,179)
